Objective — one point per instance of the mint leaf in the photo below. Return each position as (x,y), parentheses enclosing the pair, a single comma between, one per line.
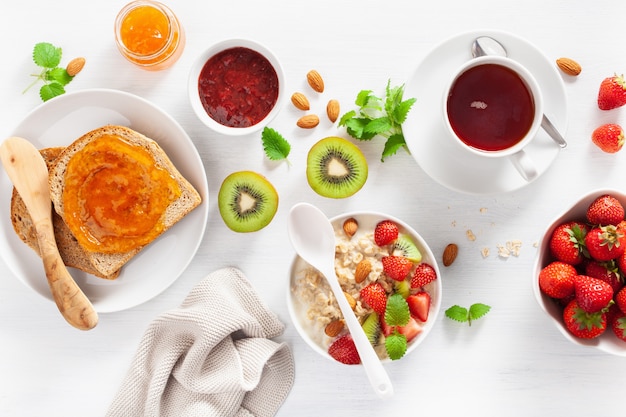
(392,145)
(397,311)
(59,75)
(477,311)
(463,315)
(402,110)
(395,345)
(457,313)
(46,55)
(274,144)
(48,91)
(378,126)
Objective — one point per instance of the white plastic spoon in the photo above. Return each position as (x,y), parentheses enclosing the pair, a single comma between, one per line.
(313,238)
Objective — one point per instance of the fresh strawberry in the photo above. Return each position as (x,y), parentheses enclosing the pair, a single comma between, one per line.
(582,324)
(612,93)
(556,279)
(396,267)
(344,351)
(606,271)
(411,329)
(424,274)
(592,294)
(567,242)
(605,210)
(608,137)
(419,305)
(618,325)
(605,242)
(620,299)
(385,232)
(375,296)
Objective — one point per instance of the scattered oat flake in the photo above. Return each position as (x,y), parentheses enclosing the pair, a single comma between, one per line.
(514,246)
(470,235)
(483,210)
(484,252)
(503,252)
(535,244)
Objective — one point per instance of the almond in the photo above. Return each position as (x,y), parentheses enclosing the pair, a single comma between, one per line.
(334,328)
(350,226)
(449,254)
(308,122)
(300,101)
(315,81)
(75,66)
(351,300)
(332,110)
(569,66)
(362,271)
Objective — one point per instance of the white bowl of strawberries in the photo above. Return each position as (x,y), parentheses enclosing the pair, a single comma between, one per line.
(579,272)
(391,279)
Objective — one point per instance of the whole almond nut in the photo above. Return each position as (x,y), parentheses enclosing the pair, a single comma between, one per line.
(308,122)
(350,226)
(449,254)
(300,101)
(315,81)
(75,66)
(569,66)
(362,271)
(334,328)
(332,110)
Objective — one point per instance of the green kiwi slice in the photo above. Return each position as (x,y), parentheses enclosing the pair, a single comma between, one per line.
(404,246)
(371,327)
(336,168)
(247,201)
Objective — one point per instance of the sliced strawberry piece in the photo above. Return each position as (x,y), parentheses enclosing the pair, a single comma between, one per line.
(375,296)
(411,329)
(344,351)
(385,232)
(396,267)
(424,274)
(419,305)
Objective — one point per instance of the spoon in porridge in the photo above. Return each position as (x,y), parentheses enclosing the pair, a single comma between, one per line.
(313,238)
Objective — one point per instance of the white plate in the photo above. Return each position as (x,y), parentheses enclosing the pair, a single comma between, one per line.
(435,151)
(59,122)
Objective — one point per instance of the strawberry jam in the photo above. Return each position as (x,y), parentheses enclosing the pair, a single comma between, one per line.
(490,108)
(238,87)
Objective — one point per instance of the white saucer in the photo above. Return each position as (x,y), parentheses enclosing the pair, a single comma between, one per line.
(433,148)
(59,122)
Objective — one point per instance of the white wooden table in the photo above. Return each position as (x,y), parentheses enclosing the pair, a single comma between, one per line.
(513,362)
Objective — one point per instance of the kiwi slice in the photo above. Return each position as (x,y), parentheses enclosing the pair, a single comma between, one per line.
(404,246)
(371,327)
(336,168)
(247,201)
(402,287)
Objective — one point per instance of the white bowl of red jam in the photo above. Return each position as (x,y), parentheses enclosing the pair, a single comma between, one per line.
(236,87)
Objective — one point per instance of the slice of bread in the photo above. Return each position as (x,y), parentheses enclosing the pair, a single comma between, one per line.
(71,252)
(189,199)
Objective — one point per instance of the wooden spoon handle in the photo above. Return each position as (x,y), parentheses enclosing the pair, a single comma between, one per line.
(29,174)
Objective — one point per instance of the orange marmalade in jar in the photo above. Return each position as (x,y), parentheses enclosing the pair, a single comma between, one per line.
(149,35)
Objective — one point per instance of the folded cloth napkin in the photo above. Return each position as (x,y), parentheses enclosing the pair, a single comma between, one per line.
(212,356)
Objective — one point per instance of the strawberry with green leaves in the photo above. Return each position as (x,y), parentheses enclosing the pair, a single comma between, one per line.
(609,137)
(605,210)
(612,92)
(567,242)
(618,325)
(592,294)
(556,279)
(605,271)
(396,267)
(605,242)
(582,324)
(620,299)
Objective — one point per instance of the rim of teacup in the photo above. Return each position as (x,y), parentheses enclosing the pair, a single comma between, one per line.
(531,84)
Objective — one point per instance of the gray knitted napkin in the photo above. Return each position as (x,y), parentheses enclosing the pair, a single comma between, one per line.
(212,356)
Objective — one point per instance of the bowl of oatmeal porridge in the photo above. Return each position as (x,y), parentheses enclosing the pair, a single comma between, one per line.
(392,270)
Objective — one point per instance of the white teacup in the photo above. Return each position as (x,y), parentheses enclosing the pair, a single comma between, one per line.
(493,107)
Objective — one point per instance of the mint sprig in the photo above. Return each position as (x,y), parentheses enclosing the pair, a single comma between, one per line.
(55,78)
(379,117)
(465,315)
(396,314)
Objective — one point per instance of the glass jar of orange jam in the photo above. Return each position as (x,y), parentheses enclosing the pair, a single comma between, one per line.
(149,35)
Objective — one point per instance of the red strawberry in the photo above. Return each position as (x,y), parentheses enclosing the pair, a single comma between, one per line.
(375,296)
(344,351)
(419,305)
(620,299)
(410,330)
(556,279)
(385,232)
(424,274)
(618,325)
(396,267)
(592,294)
(567,242)
(582,324)
(604,210)
(605,243)
(608,137)
(612,93)
(606,271)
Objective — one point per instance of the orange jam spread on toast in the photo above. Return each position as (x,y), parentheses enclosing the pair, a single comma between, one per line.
(115,196)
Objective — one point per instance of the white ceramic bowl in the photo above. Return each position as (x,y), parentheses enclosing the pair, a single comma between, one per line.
(315,337)
(194,96)
(607,342)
